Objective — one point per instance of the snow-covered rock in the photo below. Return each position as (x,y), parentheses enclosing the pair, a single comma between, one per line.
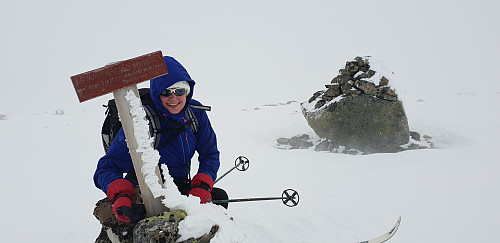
(359,110)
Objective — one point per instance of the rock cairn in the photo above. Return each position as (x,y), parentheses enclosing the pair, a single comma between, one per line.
(355,79)
(358,111)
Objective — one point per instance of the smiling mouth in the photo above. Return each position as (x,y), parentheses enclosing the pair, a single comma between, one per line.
(176,104)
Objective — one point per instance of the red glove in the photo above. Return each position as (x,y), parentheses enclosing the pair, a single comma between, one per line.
(201,186)
(120,192)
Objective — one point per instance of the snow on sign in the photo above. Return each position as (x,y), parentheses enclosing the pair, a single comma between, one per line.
(118,75)
(119,78)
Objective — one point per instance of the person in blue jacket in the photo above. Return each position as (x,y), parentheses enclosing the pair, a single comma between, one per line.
(171,94)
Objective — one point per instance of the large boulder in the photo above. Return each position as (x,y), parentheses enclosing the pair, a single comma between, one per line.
(359,110)
(362,122)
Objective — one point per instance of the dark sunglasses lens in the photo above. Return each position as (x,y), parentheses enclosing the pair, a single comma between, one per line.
(166,92)
(179,92)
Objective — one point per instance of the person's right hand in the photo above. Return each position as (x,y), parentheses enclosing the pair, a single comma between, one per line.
(120,192)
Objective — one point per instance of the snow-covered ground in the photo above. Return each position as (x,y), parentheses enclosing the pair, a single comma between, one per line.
(447,194)
(257,54)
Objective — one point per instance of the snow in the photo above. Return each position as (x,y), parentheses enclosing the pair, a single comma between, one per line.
(200,218)
(444,192)
(382,70)
(309,107)
(148,154)
(443,55)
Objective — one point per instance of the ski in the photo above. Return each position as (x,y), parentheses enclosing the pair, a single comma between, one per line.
(386,236)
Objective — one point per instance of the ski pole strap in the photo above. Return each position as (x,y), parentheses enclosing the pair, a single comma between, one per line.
(204,186)
(121,195)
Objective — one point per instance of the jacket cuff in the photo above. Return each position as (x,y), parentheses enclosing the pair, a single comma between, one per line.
(200,179)
(120,186)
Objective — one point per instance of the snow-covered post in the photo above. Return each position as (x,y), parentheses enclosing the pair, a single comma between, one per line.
(122,78)
(123,98)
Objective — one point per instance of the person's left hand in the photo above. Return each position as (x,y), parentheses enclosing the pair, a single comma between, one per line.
(201,186)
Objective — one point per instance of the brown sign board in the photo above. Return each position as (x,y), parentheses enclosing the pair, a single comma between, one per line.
(118,75)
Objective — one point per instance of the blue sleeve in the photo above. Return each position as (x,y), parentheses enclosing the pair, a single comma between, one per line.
(114,164)
(206,146)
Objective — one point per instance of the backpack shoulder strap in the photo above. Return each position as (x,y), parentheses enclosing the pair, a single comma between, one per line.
(190,115)
(112,123)
(201,107)
(154,124)
(192,118)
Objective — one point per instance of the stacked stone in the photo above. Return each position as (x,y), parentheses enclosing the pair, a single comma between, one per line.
(354,80)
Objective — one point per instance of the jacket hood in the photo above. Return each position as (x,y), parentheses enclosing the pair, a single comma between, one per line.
(176,73)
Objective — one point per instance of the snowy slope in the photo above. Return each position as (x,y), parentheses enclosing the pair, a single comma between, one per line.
(444,194)
(246,55)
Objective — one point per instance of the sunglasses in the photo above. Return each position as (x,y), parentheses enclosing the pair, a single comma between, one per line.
(177,92)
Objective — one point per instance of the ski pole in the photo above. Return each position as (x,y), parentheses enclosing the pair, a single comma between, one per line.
(289,197)
(241,160)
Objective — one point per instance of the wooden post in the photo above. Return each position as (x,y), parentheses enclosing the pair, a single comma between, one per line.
(153,205)
(120,78)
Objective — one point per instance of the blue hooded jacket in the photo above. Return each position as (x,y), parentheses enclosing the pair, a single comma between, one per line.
(178,153)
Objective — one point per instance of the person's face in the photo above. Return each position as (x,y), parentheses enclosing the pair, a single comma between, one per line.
(173,103)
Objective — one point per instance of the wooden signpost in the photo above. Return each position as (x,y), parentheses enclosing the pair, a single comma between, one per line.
(120,78)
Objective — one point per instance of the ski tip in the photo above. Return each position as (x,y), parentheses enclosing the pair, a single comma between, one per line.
(386,236)
(395,228)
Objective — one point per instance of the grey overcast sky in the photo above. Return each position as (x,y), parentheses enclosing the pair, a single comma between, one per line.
(246,52)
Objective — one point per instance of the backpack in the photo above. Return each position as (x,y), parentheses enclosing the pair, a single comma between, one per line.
(112,123)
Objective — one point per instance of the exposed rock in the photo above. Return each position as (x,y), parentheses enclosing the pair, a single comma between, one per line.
(165,228)
(383,81)
(362,122)
(341,79)
(415,135)
(386,93)
(315,95)
(296,142)
(333,91)
(359,111)
(283,103)
(161,228)
(327,98)
(324,145)
(355,79)
(352,67)
(113,230)
(367,87)
(368,74)
(319,103)
(353,152)
(59,112)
